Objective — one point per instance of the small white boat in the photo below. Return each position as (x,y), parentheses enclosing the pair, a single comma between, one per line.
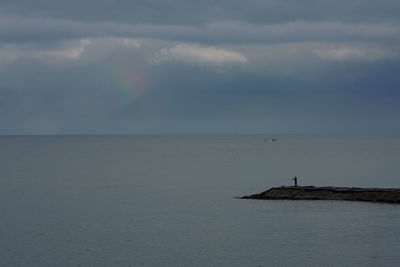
(269,139)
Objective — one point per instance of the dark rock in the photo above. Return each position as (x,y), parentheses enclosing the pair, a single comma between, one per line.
(385,195)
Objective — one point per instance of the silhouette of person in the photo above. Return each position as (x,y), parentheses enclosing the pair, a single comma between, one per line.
(295,181)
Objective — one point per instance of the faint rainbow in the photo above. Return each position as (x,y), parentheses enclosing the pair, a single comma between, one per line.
(130,83)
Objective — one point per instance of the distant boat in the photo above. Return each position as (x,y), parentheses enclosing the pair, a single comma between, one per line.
(270,139)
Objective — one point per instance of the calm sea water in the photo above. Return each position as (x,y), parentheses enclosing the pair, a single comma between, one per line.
(168,201)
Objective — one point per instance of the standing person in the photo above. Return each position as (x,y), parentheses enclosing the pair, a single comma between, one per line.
(295,181)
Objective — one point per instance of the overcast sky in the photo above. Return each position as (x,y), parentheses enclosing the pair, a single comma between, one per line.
(185,66)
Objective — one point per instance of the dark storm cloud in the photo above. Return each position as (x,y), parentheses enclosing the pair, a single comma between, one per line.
(197,12)
(199,66)
(209,22)
(20,30)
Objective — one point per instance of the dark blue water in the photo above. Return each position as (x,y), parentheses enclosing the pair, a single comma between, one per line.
(168,201)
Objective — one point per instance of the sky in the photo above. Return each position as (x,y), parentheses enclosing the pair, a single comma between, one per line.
(200,67)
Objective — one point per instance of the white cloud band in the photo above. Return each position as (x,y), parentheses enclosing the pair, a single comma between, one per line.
(357,53)
(192,53)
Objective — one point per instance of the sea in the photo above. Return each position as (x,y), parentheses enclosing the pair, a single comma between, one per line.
(170,201)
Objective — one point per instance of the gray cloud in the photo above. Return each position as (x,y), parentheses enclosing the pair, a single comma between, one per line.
(199,12)
(37,30)
(199,66)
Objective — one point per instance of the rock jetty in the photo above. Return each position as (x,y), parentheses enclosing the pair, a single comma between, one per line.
(384,195)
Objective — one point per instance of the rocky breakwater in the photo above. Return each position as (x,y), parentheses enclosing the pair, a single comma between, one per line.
(386,195)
